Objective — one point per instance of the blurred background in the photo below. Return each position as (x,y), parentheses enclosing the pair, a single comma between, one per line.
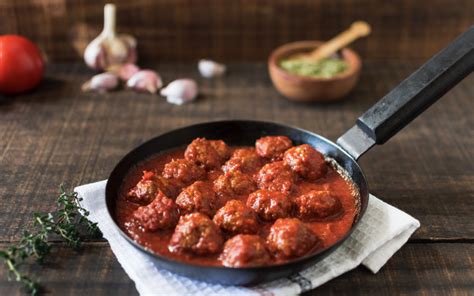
(238,30)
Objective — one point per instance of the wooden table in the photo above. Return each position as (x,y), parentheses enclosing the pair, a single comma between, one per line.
(59,134)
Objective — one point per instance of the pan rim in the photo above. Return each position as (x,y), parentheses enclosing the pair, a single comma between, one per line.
(308,257)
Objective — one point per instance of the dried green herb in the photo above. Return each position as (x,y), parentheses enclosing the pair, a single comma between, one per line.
(65,222)
(326,68)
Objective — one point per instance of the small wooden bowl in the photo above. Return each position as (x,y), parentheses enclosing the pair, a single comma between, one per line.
(310,89)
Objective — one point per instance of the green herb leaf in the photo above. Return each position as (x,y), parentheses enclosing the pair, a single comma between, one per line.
(64,222)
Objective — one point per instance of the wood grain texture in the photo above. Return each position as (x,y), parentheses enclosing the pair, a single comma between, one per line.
(59,134)
(238,30)
(428,269)
(91,271)
(433,269)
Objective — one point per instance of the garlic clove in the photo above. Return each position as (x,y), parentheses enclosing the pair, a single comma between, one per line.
(145,81)
(129,40)
(109,48)
(210,69)
(116,51)
(131,43)
(175,100)
(94,55)
(101,82)
(180,91)
(125,71)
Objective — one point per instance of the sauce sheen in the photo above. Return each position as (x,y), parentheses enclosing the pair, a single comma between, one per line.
(328,231)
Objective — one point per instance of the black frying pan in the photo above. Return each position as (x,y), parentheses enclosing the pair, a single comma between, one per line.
(377,125)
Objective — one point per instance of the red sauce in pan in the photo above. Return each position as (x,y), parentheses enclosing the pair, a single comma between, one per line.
(327,230)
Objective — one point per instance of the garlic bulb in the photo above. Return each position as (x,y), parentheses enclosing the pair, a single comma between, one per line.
(125,71)
(210,69)
(101,82)
(180,91)
(109,48)
(145,81)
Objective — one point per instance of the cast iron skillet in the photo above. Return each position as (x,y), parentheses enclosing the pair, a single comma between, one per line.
(376,126)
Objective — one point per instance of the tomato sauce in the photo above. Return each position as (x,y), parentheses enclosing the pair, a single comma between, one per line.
(329,231)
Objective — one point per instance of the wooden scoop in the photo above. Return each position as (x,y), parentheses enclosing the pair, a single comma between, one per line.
(358,29)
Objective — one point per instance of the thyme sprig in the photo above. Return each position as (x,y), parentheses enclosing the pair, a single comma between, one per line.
(66,222)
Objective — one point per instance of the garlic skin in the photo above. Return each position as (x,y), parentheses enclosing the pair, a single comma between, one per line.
(210,69)
(180,91)
(94,55)
(101,82)
(125,71)
(109,48)
(145,81)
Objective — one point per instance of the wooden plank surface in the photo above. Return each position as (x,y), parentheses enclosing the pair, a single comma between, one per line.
(59,134)
(417,269)
(239,30)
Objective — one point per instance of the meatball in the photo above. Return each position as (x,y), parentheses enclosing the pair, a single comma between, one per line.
(144,192)
(270,205)
(245,250)
(161,213)
(199,197)
(306,161)
(244,159)
(196,233)
(209,153)
(170,187)
(184,171)
(275,176)
(317,205)
(235,217)
(273,147)
(289,238)
(147,188)
(221,148)
(234,183)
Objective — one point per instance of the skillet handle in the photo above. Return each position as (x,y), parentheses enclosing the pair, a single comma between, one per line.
(412,96)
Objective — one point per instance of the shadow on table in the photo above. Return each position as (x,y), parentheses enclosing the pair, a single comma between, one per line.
(49,90)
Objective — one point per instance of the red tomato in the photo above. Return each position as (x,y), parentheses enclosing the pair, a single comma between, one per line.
(21,64)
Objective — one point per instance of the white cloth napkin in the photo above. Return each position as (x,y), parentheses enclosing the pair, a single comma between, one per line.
(380,233)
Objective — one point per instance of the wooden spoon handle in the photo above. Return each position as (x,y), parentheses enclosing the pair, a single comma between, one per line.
(357,30)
